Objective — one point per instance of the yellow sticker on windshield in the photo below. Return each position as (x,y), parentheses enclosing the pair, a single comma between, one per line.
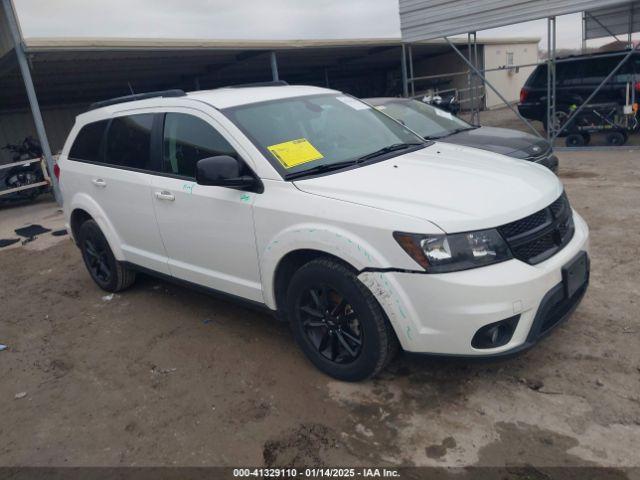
(295,152)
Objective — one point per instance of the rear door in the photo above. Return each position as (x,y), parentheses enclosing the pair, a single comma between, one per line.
(111,164)
(208,231)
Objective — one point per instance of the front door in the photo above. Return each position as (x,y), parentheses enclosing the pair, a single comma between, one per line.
(208,232)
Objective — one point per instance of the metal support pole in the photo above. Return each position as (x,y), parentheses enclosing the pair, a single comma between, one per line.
(477,87)
(554,82)
(629,33)
(551,77)
(12,21)
(413,85)
(403,66)
(584,32)
(470,76)
(274,67)
(595,92)
(479,74)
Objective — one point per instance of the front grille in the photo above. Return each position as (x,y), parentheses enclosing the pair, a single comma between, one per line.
(537,237)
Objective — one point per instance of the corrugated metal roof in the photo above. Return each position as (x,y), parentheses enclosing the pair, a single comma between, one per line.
(41,44)
(427,19)
(617,20)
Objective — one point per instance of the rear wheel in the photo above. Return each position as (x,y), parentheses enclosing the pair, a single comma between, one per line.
(105,270)
(616,138)
(575,140)
(337,321)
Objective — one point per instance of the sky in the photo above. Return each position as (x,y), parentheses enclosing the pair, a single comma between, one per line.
(243,19)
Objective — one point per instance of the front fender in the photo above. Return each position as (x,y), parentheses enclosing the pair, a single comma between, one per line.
(84,202)
(310,236)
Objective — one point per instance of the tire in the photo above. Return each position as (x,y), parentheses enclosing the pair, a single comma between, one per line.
(616,139)
(562,113)
(108,273)
(574,140)
(350,314)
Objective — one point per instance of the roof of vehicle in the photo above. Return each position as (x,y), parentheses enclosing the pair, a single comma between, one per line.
(219,98)
(595,55)
(231,97)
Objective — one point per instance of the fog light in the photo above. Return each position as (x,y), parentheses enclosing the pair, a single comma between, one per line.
(495,334)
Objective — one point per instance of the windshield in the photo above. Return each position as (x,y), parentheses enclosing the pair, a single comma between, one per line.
(428,121)
(320,132)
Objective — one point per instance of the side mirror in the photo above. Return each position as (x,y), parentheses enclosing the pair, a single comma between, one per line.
(223,171)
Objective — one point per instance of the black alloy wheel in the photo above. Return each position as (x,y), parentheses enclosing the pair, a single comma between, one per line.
(95,251)
(108,273)
(337,322)
(331,324)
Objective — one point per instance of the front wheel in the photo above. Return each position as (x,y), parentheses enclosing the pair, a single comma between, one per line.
(337,321)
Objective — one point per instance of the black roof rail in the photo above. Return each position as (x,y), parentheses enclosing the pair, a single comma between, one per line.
(137,96)
(274,83)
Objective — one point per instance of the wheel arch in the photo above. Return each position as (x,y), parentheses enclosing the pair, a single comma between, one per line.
(85,208)
(297,245)
(288,265)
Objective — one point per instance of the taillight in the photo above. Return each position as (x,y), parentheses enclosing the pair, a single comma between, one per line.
(524,93)
(637,86)
(56,171)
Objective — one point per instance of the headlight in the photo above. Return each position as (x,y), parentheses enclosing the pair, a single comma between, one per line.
(451,253)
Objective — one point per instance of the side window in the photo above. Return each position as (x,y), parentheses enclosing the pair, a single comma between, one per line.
(88,142)
(187,139)
(129,141)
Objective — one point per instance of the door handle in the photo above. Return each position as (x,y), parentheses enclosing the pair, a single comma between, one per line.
(164,195)
(98,182)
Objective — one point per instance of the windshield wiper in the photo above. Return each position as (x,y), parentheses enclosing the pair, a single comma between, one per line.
(388,149)
(321,169)
(449,133)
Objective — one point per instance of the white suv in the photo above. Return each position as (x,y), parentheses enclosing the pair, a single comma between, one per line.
(314,205)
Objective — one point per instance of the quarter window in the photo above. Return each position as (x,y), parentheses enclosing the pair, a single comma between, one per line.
(187,139)
(88,142)
(129,141)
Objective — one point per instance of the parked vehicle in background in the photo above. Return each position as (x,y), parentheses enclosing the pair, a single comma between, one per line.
(575,81)
(321,209)
(435,124)
(18,176)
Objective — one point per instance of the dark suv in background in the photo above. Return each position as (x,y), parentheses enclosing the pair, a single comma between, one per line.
(575,81)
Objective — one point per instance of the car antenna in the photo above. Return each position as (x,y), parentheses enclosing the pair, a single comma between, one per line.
(131,88)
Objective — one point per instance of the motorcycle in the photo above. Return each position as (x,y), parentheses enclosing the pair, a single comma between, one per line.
(447,102)
(22,175)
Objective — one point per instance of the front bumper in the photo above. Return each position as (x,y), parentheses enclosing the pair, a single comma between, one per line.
(440,313)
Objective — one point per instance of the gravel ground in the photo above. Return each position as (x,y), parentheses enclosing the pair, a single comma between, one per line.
(160,375)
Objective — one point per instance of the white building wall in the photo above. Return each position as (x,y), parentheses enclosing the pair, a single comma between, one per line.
(508,82)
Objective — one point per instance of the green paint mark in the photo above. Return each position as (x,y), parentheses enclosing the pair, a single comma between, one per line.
(409,336)
(188,187)
(245,198)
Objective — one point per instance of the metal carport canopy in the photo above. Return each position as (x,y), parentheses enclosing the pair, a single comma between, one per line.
(616,20)
(427,19)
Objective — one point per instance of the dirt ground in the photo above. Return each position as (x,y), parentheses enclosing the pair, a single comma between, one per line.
(160,375)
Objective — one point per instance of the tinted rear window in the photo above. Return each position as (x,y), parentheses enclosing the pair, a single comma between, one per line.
(87,144)
(129,141)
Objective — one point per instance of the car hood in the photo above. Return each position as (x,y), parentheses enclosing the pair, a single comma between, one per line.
(457,188)
(501,140)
